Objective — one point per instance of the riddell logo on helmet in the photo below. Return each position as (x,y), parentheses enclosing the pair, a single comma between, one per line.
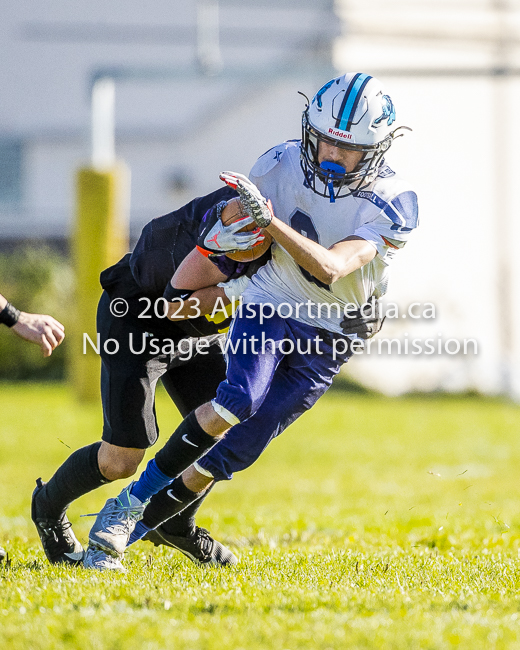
(340,134)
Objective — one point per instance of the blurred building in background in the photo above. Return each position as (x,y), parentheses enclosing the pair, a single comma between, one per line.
(178,124)
(192,100)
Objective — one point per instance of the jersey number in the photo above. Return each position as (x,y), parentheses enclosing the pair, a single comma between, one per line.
(302,223)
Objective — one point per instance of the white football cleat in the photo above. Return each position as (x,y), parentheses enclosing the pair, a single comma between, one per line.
(96,558)
(115,523)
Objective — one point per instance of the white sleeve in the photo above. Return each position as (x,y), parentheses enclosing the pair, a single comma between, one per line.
(392,226)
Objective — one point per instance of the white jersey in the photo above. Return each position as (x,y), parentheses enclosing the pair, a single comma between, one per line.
(383,213)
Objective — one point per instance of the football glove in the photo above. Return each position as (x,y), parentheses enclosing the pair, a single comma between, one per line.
(252,200)
(235,288)
(366,321)
(217,239)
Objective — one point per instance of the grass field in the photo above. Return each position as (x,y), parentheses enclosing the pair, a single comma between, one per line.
(372,523)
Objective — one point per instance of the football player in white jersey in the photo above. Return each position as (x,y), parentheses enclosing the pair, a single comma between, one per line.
(337,214)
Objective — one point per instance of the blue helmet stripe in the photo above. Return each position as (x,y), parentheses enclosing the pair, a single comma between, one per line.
(351,101)
(346,98)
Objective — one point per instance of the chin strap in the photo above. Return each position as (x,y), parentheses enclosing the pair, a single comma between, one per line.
(331,192)
(331,170)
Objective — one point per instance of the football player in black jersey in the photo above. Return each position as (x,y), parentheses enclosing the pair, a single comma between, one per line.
(129,378)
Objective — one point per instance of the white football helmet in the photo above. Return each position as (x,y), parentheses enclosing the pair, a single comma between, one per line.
(351,112)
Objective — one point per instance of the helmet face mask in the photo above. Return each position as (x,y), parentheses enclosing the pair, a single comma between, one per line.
(350,112)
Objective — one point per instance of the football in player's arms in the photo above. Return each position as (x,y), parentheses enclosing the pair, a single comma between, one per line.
(198,285)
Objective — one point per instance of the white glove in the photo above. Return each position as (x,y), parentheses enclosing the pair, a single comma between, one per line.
(217,239)
(235,288)
(252,200)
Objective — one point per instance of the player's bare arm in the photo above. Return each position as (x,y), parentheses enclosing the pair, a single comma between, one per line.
(200,303)
(197,272)
(41,329)
(327,265)
(199,275)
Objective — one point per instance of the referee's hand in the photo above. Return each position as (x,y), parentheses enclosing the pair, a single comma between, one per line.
(41,329)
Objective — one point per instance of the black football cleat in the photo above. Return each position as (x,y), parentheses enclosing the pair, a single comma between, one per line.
(198,546)
(3,554)
(58,540)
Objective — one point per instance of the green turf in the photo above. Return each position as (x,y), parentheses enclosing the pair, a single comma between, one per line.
(372,523)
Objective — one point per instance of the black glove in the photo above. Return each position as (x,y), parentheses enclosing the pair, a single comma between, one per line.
(365,321)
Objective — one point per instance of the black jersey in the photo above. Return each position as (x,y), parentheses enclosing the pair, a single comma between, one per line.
(162,246)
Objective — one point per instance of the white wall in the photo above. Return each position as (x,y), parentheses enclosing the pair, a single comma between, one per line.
(466,187)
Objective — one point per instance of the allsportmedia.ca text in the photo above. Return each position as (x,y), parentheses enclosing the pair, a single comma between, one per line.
(161,308)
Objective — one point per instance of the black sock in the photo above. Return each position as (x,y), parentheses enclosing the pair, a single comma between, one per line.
(78,475)
(184,522)
(168,502)
(188,443)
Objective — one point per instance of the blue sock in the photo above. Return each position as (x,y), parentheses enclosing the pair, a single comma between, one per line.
(140,531)
(152,480)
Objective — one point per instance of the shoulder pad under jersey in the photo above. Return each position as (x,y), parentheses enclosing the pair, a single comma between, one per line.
(271,158)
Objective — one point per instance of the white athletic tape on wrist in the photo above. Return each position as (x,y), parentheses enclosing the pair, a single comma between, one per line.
(234,288)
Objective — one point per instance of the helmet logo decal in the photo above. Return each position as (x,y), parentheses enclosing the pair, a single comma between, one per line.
(388,112)
(317,97)
(351,100)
